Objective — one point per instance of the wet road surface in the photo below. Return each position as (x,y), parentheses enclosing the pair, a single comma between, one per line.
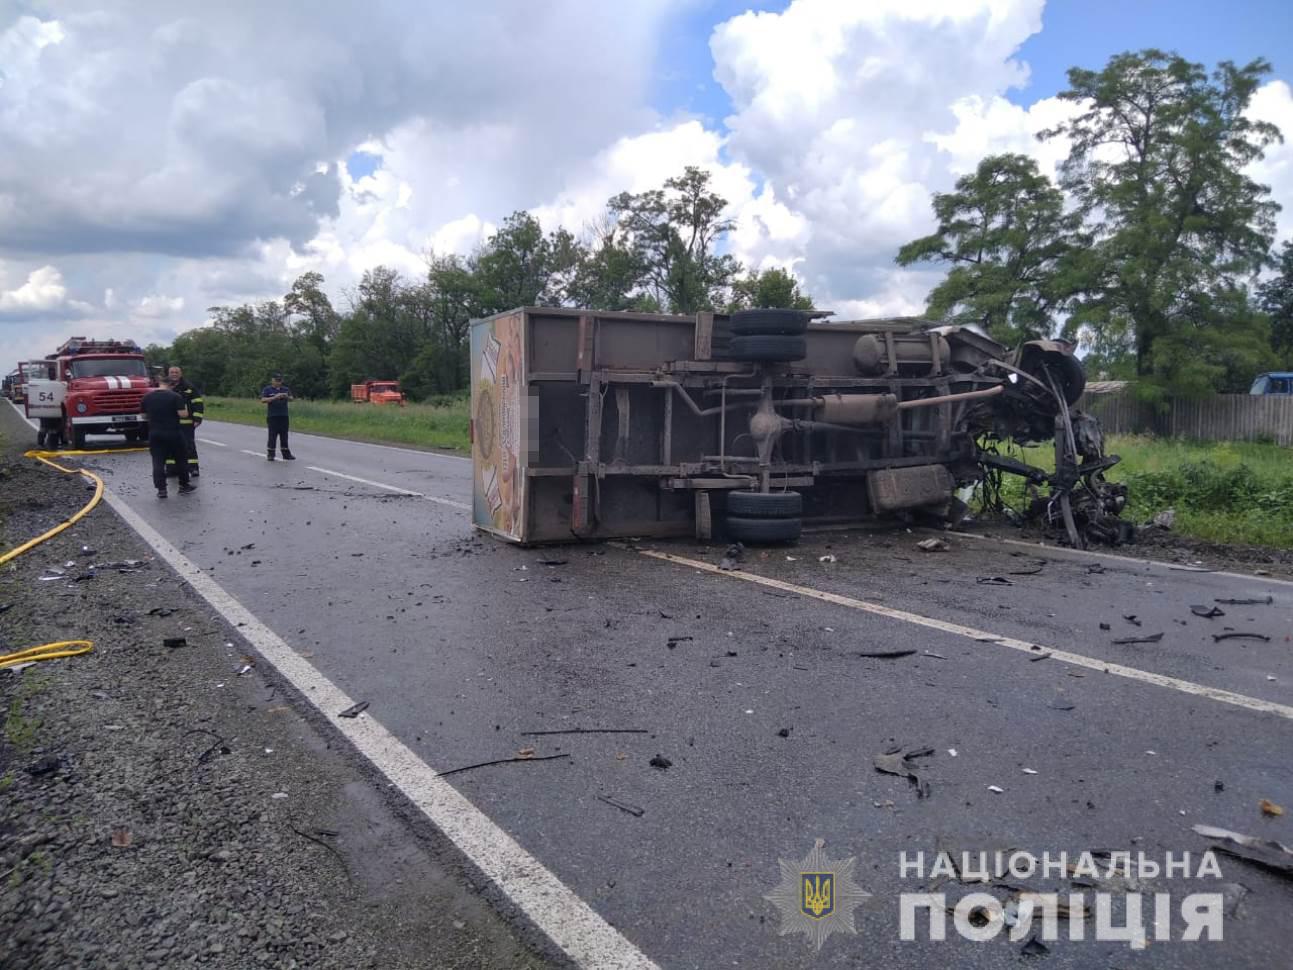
(462,645)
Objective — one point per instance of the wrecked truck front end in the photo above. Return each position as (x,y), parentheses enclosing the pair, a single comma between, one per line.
(590,425)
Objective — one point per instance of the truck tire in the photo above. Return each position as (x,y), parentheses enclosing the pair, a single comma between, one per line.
(777,347)
(765,505)
(753,323)
(73,436)
(763,530)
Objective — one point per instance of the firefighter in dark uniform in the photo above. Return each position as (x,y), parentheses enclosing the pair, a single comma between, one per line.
(188,425)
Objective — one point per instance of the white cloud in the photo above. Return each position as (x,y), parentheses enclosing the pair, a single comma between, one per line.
(42,292)
(1273,102)
(156,306)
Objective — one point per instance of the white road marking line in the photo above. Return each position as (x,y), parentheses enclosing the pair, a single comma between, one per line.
(570,923)
(209,441)
(1064,552)
(1032,649)
(254,454)
(391,488)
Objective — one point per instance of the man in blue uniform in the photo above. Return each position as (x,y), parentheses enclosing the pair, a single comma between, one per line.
(275,397)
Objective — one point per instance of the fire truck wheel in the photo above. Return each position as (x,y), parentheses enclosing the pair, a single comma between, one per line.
(763,530)
(750,323)
(40,439)
(74,437)
(770,505)
(777,347)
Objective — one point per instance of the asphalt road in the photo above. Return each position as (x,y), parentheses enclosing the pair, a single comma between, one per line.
(461,644)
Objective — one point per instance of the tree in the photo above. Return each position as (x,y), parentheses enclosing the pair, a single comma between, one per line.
(1275,297)
(673,233)
(318,321)
(1012,248)
(520,266)
(1156,165)
(775,288)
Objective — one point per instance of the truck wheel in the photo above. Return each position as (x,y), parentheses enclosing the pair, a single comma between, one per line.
(750,323)
(40,439)
(74,436)
(778,347)
(763,530)
(769,505)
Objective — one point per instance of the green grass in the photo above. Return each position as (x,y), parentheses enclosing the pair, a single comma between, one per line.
(425,425)
(1222,491)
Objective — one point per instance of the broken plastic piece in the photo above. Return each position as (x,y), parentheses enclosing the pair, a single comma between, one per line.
(354,710)
(1151,638)
(661,762)
(932,545)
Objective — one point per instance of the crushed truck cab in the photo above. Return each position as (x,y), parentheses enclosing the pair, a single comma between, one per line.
(592,425)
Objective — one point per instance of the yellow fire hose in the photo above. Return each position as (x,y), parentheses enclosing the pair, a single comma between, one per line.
(63,648)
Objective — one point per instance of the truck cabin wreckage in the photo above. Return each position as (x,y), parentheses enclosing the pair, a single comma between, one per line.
(591,425)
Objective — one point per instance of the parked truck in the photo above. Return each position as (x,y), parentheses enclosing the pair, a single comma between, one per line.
(593,425)
(377,392)
(89,387)
(8,383)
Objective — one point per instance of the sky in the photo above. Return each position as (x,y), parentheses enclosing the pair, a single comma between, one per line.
(159,157)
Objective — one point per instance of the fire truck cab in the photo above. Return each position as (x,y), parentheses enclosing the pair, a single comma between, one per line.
(91,387)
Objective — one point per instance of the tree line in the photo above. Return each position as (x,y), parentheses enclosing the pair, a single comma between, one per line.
(655,251)
(1149,252)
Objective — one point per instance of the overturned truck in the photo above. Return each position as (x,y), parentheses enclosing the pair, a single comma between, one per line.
(598,425)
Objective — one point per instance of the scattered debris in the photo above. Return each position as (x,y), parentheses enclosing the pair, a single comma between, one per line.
(932,545)
(994,581)
(633,810)
(1207,612)
(1061,704)
(1165,519)
(674,641)
(1218,786)
(160,611)
(535,734)
(1269,854)
(175,642)
(1040,565)
(1105,626)
(735,552)
(1133,619)
(936,656)
(1218,637)
(1094,569)
(502,761)
(1029,771)
(121,838)
(1034,947)
(952,752)
(45,766)
(997,789)
(525,753)
(784,733)
(1256,601)
(661,762)
(1268,807)
(354,710)
(551,562)
(1151,638)
(883,654)
(903,763)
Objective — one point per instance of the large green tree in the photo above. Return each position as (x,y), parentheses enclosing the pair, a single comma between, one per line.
(773,288)
(674,234)
(1014,252)
(1275,297)
(1157,165)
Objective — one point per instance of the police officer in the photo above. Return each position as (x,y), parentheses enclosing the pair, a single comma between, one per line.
(188,426)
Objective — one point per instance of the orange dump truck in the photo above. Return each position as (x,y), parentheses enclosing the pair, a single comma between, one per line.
(377,392)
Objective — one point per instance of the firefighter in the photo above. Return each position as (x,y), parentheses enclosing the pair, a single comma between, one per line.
(189,424)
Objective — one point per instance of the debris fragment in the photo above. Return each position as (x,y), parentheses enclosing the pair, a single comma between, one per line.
(994,581)
(784,733)
(45,766)
(1094,569)
(535,734)
(936,656)
(1207,612)
(1268,807)
(551,562)
(502,761)
(952,752)
(175,642)
(354,710)
(1105,626)
(1151,638)
(661,762)
(1034,947)
(1133,619)
(1040,565)
(633,810)
(1029,771)
(525,753)
(160,611)
(121,838)
(674,641)
(996,788)
(734,554)
(883,654)
(903,763)
(829,557)
(1254,601)
(1165,519)
(932,545)
(1218,637)
(1266,853)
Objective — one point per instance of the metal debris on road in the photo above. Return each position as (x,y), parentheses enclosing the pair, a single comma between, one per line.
(674,641)
(354,710)
(883,654)
(996,789)
(827,558)
(552,562)
(1269,854)
(1132,618)
(1252,601)
(175,642)
(1218,637)
(902,763)
(633,810)
(932,545)
(994,581)
(1207,612)
(734,554)
(784,733)
(1151,638)
(661,762)
(503,761)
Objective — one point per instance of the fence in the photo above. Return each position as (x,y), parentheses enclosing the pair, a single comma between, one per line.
(1222,417)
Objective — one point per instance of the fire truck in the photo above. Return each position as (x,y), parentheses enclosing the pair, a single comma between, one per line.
(377,392)
(89,387)
(27,370)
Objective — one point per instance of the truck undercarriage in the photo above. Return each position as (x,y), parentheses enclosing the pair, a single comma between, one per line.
(601,425)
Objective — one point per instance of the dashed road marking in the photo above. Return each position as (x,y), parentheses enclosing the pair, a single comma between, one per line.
(210,441)
(392,488)
(981,636)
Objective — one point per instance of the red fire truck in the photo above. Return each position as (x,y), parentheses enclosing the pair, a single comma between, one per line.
(92,387)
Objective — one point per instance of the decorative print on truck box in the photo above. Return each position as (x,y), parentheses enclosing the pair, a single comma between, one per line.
(498,381)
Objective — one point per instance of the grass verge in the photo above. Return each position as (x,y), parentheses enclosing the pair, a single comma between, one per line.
(440,425)
(1222,491)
